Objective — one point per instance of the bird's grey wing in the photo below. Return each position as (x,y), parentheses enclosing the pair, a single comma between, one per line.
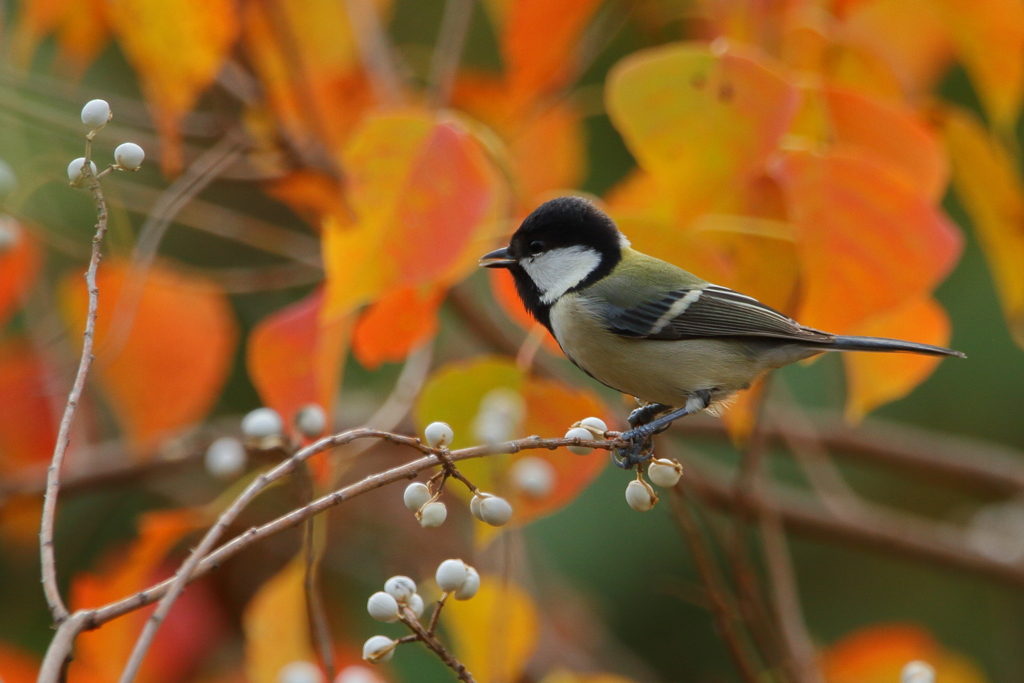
(705,311)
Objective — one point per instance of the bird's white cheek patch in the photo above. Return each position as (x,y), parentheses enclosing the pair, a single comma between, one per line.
(557,271)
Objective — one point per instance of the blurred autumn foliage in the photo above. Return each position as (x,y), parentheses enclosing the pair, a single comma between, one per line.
(327,174)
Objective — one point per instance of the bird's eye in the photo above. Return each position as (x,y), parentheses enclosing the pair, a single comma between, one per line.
(536,247)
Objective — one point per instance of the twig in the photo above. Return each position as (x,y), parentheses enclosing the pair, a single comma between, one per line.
(313,551)
(448,50)
(873,527)
(189,568)
(94,618)
(428,639)
(437,613)
(375,51)
(196,178)
(58,610)
(715,589)
(786,598)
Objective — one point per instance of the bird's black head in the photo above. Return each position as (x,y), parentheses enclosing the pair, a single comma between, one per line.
(566,244)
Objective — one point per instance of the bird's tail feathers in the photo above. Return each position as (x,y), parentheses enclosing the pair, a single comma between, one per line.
(847,343)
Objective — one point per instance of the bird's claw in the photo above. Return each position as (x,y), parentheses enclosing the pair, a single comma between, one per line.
(639,450)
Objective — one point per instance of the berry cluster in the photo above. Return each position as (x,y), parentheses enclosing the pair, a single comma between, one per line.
(399,601)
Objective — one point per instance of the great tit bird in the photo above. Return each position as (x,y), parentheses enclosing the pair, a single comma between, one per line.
(649,329)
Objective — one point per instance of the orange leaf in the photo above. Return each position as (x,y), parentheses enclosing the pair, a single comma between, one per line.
(311,194)
(294,357)
(81,27)
(19,263)
(425,198)
(276,625)
(101,654)
(698,121)
(874,379)
(546,143)
(530,71)
(496,632)
(877,654)
(504,290)
(989,38)
(991,190)
(28,418)
(891,134)
(395,324)
(878,29)
(17,666)
(306,58)
(867,239)
(177,47)
(166,371)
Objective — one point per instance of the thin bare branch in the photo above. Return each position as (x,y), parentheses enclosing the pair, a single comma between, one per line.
(715,588)
(448,51)
(428,639)
(189,569)
(375,51)
(196,178)
(58,610)
(786,598)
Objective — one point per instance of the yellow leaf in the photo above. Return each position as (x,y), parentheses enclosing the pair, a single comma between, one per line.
(991,190)
(454,392)
(495,633)
(698,121)
(425,199)
(989,37)
(177,47)
(276,625)
(874,379)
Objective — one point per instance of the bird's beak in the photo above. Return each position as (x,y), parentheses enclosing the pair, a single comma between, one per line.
(498,258)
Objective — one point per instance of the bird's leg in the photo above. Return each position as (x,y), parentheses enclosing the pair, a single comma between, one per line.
(639,437)
(645,414)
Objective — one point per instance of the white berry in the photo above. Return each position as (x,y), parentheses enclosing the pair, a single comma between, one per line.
(451,574)
(416,605)
(439,435)
(10,234)
(416,495)
(474,504)
(311,421)
(470,586)
(500,412)
(595,424)
(300,672)
(580,433)
(225,458)
(917,672)
(401,588)
(433,515)
(75,169)
(96,113)
(129,156)
(261,423)
(378,649)
(664,472)
(382,607)
(357,674)
(8,180)
(640,496)
(495,511)
(533,476)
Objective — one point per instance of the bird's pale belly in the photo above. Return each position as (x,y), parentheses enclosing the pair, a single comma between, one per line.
(657,370)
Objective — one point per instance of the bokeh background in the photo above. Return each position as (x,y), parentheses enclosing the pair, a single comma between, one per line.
(321,176)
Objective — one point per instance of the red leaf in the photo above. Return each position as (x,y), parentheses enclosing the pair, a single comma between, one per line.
(391,327)
(294,357)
